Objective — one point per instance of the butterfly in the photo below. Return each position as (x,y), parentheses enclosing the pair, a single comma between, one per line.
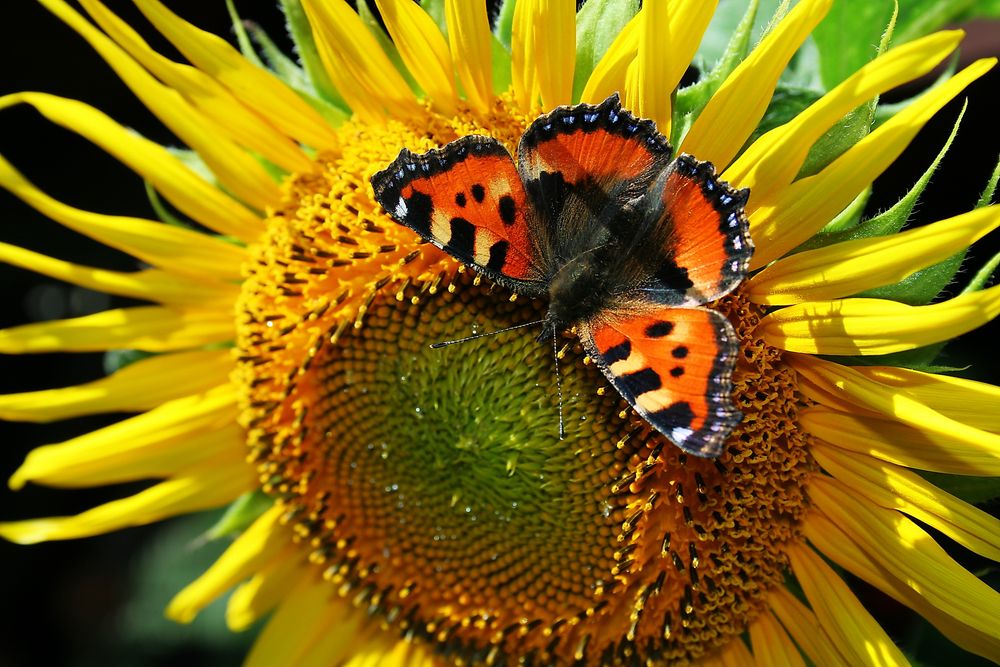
(624,241)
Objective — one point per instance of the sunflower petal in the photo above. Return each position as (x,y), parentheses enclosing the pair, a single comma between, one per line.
(253,599)
(895,487)
(424,50)
(358,67)
(254,86)
(554,51)
(718,133)
(775,158)
(147,328)
(142,385)
(853,266)
(228,114)
(175,436)
(876,326)
(611,71)
(911,555)
(784,219)
(247,555)
(197,490)
(840,614)
(150,284)
(803,627)
(469,39)
(771,644)
(189,192)
(647,86)
(524,74)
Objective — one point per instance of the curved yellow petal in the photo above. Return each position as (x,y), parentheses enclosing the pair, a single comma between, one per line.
(911,555)
(802,626)
(356,63)
(147,328)
(228,114)
(237,171)
(173,437)
(854,266)
(170,248)
(555,50)
(854,387)
(610,74)
(423,49)
(195,491)
(903,445)
(894,487)
(775,158)
(253,85)
(733,653)
(771,644)
(189,192)
(253,599)
(249,553)
(876,326)
(647,85)
(142,385)
(150,284)
(968,401)
(469,38)
(838,546)
(786,218)
(718,133)
(840,614)
(523,70)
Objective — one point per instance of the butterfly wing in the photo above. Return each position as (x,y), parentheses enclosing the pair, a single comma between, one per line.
(467,199)
(674,366)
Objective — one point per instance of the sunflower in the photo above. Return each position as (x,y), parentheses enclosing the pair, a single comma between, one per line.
(395,504)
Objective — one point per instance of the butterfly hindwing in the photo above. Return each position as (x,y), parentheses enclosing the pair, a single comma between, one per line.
(467,198)
(674,366)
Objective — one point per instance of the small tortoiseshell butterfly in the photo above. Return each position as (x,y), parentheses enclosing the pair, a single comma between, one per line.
(625,243)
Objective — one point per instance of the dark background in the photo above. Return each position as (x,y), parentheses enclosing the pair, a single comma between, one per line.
(99,600)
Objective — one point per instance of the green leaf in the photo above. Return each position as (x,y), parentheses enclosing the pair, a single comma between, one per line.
(922,17)
(786,103)
(283,67)
(973,490)
(990,191)
(164,214)
(435,9)
(500,57)
(242,38)
(300,31)
(847,36)
(240,514)
(597,24)
(850,217)
(983,275)
(115,360)
(505,22)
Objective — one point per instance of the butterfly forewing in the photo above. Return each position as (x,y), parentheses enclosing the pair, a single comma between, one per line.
(674,366)
(467,198)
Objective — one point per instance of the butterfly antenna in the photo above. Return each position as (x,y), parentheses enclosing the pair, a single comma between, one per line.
(436,346)
(555,355)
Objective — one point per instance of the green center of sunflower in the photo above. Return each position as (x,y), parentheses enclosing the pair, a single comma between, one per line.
(431,485)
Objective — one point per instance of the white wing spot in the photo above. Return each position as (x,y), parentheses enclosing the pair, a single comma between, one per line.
(400,211)
(680,434)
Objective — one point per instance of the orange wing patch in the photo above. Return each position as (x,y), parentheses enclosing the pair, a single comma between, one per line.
(467,198)
(709,235)
(674,366)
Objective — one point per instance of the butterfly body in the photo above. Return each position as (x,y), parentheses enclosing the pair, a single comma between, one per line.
(623,241)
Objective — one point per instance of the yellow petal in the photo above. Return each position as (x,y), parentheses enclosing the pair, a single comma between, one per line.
(901,444)
(733,653)
(894,487)
(469,37)
(173,437)
(734,111)
(170,248)
(856,388)
(840,614)
(199,490)
(788,217)
(610,73)
(854,266)
(523,69)
(252,550)
(423,49)
(255,86)
(150,284)
(910,555)
(229,115)
(189,192)
(253,599)
(838,546)
(147,328)
(876,326)
(771,644)
(357,65)
(554,53)
(968,401)
(775,158)
(378,650)
(803,627)
(647,86)
(237,170)
(142,385)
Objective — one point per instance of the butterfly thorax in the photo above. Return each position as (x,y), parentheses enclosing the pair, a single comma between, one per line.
(579,289)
